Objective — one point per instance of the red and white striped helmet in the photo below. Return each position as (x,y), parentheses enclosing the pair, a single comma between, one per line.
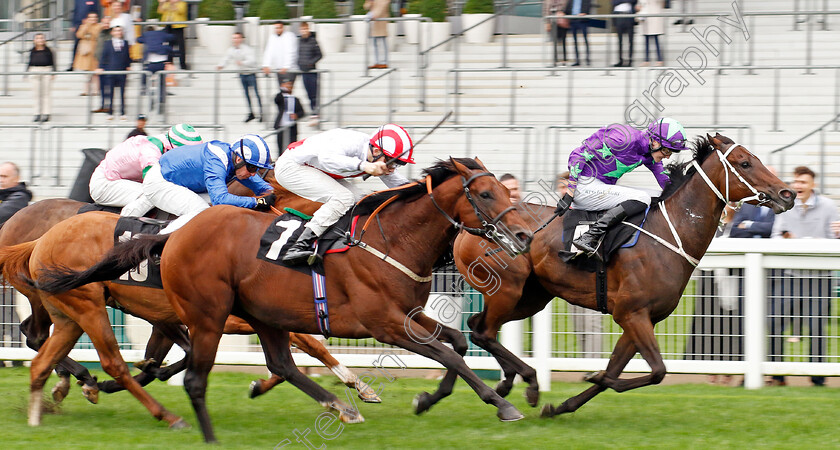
(394,141)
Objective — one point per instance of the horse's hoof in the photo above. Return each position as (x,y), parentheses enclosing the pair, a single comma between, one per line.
(255,389)
(547,411)
(368,396)
(351,417)
(91,393)
(503,388)
(594,377)
(422,403)
(145,364)
(509,413)
(61,389)
(179,424)
(532,396)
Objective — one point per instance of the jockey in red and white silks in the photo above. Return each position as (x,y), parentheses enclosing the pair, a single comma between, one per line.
(118,180)
(315,169)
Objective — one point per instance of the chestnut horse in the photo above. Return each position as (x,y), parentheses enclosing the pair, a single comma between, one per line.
(645,282)
(370,295)
(14,262)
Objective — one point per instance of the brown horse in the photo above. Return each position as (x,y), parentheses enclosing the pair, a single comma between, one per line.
(14,263)
(529,282)
(370,295)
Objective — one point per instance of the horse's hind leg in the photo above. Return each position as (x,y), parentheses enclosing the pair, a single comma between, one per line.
(316,349)
(56,347)
(424,400)
(275,344)
(639,330)
(623,352)
(156,349)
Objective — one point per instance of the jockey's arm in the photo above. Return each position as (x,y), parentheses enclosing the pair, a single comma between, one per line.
(393,179)
(214,179)
(257,185)
(659,172)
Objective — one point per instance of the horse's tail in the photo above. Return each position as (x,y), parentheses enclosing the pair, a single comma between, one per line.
(119,260)
(14,263)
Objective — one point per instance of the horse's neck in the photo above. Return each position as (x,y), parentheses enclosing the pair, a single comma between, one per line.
(695,212)
(417,229)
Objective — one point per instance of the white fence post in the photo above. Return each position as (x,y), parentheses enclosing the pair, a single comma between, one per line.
(542,347)
(512,338)
(754,320)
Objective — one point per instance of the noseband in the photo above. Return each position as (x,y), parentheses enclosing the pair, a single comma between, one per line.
(488,224)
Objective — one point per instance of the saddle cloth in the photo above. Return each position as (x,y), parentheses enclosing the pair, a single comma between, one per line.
(146,274)
(576,222)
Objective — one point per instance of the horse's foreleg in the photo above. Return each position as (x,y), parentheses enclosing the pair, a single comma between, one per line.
(316,349)
(278,358)
(424,400)
(639,328)
(621,355)
(156,350)
(55,348)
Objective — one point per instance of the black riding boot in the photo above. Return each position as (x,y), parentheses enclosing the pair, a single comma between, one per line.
(301,250)
(591,240)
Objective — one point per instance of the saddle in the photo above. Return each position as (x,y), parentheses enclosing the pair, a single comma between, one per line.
(576,222)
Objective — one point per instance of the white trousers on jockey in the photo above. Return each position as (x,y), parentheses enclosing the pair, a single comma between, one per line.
(310,183)
(593,194)
(125,193)
(172,198)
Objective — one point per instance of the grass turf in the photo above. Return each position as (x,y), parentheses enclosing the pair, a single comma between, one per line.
(676,416)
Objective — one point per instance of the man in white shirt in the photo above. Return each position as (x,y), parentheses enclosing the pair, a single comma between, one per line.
(245,60)
(281,52)
(120,18)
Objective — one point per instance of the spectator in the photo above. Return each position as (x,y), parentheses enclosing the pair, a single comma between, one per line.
(115,57)
(752,222)
(141,127)
(802,296)
(587,323)
(104,36)
(41,60)
(246,61)
(176,11)
(559,25)
(624,28)
(13,197)
(652,27)
(378,9)
(156,52)
(281,53)
(579,8)
(121,18)
(81,9)
(289,111)
(87,35)
(686,5)
(512,184)
(309,53)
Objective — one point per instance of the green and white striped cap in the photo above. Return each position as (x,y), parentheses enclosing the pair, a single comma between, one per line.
(183,134)
(160,141)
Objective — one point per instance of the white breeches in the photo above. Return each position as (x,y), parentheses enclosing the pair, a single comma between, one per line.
(126,193)
(172,198)
(593,194)
(337,196)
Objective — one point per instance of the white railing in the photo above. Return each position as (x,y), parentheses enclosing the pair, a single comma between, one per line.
(548,340)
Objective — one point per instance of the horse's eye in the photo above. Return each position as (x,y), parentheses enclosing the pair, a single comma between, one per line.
(485,195)
(745,165)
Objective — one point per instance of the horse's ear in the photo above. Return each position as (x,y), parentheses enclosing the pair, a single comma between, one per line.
(462,169)
(715,141)
(481,164)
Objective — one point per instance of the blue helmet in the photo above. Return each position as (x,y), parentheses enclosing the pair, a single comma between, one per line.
(253,150)
(669,133)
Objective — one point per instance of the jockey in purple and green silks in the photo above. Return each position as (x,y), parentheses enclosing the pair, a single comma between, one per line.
(596,166)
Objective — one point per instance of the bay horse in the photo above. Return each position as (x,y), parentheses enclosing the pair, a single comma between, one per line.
(14,264)
(645,282)
(370,295)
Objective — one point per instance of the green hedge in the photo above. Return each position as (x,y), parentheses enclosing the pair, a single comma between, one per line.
(478,7)
(433,9)
(320,9)
(273,10)
(216,9)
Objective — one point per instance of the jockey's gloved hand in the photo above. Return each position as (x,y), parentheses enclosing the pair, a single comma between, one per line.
(564,204)
(375,168)
(265,203)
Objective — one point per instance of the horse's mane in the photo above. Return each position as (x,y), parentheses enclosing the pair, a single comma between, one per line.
(682,172)
(441,171)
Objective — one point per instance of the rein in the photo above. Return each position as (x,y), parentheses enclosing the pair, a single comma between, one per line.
(727,168)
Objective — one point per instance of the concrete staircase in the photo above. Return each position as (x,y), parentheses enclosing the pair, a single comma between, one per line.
(491,102)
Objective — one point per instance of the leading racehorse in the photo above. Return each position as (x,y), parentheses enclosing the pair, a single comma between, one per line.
(209,270)
(645,282)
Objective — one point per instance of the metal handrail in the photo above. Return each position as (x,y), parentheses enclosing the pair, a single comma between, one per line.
(833,120)
(822,164)
(338,98)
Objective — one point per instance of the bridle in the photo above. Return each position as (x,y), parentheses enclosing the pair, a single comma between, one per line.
(760,197)
(489,229)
